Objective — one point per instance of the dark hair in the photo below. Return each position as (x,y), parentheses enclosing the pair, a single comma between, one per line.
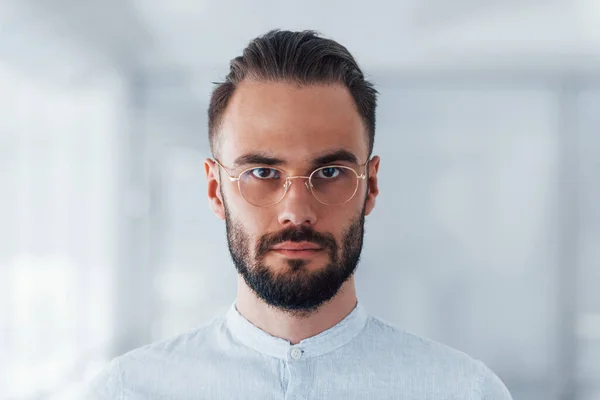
(296,57)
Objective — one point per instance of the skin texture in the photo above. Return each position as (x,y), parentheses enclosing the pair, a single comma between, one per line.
(292,297)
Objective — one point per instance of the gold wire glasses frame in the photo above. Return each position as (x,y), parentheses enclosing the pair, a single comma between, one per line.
(328,190)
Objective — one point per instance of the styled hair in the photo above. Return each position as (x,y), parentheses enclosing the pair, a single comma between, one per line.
(302,58)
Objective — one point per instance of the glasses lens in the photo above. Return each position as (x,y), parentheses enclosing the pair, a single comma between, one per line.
(334,185)
(262,186)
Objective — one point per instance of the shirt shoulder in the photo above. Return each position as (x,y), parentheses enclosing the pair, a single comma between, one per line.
(429,359)
(411,345)
(146,363)
(189,343)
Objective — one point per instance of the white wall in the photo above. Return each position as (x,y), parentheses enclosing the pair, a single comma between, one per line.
(59,169)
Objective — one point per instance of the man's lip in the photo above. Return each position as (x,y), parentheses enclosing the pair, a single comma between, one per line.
(296,246)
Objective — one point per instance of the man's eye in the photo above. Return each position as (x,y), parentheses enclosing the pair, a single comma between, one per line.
(265,173)
(328,173)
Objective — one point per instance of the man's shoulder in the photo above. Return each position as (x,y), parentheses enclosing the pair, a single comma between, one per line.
(412,344)
(146,365)
(427,357)
(186,344)
(174,351)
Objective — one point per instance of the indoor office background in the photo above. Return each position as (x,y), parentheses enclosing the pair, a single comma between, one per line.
(486,235)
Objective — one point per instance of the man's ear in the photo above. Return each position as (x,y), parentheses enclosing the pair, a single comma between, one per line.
(215,199)
(372,185)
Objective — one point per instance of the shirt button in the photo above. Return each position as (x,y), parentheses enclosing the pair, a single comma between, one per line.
(296,353)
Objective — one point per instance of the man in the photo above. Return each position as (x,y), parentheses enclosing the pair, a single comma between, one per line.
(292,131)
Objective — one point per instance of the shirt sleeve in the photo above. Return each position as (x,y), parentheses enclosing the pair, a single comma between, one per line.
(106,385)
(491,387)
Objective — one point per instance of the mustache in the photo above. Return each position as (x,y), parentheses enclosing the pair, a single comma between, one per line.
(299,234)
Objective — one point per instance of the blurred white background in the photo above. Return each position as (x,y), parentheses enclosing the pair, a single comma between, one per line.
(487,231)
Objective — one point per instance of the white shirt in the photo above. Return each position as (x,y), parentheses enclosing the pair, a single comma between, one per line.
(361,357)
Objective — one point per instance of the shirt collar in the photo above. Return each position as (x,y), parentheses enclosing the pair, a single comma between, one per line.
(325,342)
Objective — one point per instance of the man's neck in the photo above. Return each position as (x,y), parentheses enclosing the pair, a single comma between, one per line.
(295,328)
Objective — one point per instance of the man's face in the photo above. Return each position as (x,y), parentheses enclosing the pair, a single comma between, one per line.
(295,255)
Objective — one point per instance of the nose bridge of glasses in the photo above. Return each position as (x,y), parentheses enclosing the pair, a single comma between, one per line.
(288,181)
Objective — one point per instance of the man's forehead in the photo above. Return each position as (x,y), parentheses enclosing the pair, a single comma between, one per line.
(292,122)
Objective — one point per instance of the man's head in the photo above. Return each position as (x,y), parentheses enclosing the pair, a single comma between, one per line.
(300,58)
(293,103)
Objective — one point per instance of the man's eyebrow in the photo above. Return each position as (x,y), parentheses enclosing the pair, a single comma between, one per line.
(265,159)
(257,158)
(335,156)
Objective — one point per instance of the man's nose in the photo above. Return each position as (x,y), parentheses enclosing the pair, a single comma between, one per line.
(298,206)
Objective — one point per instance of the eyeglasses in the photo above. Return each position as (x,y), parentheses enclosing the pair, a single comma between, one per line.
(263,186)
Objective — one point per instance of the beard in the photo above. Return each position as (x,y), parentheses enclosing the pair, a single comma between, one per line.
(296,290)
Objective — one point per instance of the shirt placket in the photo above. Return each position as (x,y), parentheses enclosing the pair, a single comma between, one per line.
(297,366)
